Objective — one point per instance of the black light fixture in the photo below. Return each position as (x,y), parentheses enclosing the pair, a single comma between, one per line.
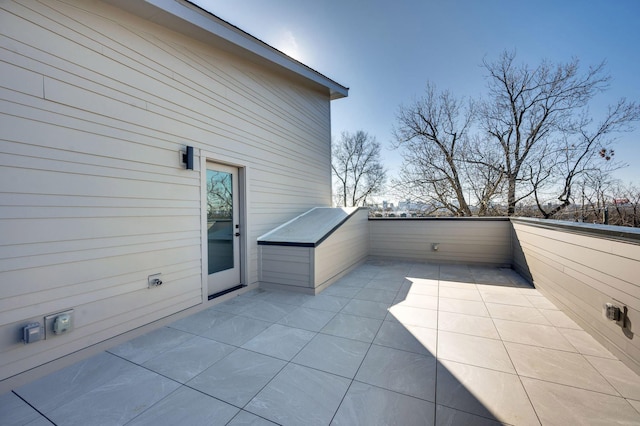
(187,158)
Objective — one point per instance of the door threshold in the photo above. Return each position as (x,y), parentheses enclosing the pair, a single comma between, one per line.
(223,292)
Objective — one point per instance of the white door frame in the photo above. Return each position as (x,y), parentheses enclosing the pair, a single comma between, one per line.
(210,157)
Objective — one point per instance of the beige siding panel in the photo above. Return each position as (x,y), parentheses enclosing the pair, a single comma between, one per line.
(461,241)
(346,247)
(580,273)
(286,265)
(21,80)
(95,105)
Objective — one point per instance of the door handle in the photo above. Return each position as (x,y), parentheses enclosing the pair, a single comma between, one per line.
(237,234)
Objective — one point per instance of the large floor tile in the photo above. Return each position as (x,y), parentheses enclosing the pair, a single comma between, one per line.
(418,301)
(517,313)
(147,346)
(185,361)
(585,343)
(366,308)
(567,368)
(404,372)
(327,303)
(540,302)
(353,281)
(533,334)
(14,411)
(559,319)
(565,405)
(419,286)
(456,273)
(280,341)
(40,421)
(300,396)
(353,327)
(286,297)
(635,404)
(268,311)
(333,354)
(245,418)
(446,416)
(460,306)
(368,405)
(389,284)
(490,276)
(474,350)
(409,315)
(201,322)
(117,401)
(237,304)
(342,291)
(238,377)
(307,319)
(410,338)
(375,295)
(621,377)
(467,324)
(187,407)
(505,298)
(487,393)
(460,293)
(65,385)
(237,331)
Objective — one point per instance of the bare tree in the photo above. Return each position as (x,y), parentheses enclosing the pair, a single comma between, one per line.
(585,150)
(626,206)
(530,112)
(531,140)
(357,167)
(432,132)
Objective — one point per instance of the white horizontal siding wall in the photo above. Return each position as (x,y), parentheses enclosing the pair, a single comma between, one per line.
(95,105)
(342,250)
(287,267)
(580,272)
(460,240)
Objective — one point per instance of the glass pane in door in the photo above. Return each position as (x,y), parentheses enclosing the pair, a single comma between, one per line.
(220,220)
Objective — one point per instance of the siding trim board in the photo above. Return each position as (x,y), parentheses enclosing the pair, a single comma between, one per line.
(608,232)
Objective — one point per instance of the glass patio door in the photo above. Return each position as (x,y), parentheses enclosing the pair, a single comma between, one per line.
(223,228)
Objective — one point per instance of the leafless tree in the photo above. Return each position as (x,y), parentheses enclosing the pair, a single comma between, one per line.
(357,168)
(432,133)
(626,206)
(529,113)
(530,140)
(582,151)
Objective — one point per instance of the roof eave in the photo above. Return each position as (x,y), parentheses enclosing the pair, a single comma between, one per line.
(189,19)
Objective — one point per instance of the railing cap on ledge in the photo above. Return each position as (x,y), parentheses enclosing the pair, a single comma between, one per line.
(462,218)
(612,232)
(310,228)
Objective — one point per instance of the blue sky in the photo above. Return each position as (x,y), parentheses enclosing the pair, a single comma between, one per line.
(386,51)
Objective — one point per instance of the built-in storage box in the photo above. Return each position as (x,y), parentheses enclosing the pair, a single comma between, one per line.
(313,250)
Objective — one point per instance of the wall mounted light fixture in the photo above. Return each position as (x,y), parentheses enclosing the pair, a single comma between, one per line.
(187,158)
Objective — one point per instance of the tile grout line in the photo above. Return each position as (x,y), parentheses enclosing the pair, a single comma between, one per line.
(435,386)
(352,380)
(35,409)
(512,363)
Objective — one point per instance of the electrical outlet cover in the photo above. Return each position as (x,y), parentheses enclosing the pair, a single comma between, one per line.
(58,324)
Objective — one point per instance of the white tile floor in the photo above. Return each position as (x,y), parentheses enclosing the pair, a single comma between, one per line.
(393,342)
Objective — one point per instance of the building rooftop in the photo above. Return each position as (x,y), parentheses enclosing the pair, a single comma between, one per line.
(393,342)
